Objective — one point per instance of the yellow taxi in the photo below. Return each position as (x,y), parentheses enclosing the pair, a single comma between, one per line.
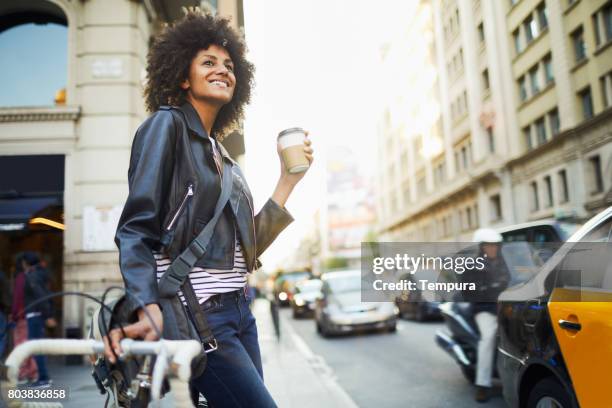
(555,344)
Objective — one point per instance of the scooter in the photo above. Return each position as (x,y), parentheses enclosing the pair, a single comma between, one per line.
(461,337)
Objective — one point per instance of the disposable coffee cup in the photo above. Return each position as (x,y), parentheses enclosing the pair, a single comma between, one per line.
(291,142)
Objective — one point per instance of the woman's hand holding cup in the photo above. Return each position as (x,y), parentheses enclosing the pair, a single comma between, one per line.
(295,157)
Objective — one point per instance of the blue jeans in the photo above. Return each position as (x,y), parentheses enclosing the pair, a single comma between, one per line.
(36,330)
(233,375)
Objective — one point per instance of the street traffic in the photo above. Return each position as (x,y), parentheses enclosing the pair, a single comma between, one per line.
(403,368)
(536,362)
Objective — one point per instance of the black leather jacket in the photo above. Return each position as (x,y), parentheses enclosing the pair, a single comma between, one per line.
(174,185)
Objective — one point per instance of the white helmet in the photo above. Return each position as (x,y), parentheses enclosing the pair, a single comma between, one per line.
(487,235)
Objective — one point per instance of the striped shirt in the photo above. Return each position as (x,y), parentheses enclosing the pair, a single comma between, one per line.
(209,282)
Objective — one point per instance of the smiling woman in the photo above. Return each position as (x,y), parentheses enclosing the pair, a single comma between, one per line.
(188,57)
(188,235)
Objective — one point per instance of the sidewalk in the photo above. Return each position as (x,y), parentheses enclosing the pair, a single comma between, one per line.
(294,375)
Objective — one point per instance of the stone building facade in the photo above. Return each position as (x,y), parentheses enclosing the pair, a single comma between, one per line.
(522,125)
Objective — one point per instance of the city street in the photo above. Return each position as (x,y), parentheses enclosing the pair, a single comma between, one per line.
(405,368)
(455,161)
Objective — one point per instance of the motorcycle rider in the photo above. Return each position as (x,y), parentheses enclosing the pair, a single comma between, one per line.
(490,282)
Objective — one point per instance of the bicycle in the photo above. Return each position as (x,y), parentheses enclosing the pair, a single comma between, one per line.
(173,359)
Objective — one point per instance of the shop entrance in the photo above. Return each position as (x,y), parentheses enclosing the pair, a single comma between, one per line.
(32,214)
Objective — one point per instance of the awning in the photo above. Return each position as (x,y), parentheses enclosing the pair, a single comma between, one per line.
(16,212)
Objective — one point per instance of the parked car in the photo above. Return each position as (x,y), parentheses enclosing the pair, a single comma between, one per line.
(339,309)
(284,285)
(554,350)
(417,304)
(305,297)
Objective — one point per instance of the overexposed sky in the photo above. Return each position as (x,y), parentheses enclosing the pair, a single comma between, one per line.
(318,67)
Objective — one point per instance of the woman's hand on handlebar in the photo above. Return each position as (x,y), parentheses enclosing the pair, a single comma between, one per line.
(142,329)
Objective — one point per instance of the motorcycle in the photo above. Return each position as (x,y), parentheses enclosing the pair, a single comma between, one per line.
(461,337)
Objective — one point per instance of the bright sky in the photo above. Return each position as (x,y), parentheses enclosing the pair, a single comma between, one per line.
(318,67)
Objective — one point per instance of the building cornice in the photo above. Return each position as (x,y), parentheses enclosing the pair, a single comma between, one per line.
(39,114)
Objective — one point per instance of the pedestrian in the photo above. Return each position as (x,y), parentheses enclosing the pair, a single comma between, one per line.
(28,372)
(199,83)
(38,313)
(5,309)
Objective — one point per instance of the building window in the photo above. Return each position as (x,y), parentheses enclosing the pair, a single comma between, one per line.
(535,201)
(579,44)
(531,29)
(421,186)
(522,88)
(457,162)
(549,191)
(606,14)
(439,173)
(534,80)
(496,208)
(587,103)
(470,152)
(468,217)
(548,70)
(406,191)
(606,89)
(527,135)
(542,16)
(596,175)
(491,140)
(464,157)
(563,186)
(517,40)
(485,80)
(34,45)
(540,131)
(481,35)
(602,24)
(553,120)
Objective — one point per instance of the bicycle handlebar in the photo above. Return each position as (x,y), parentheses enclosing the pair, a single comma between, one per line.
(179,353)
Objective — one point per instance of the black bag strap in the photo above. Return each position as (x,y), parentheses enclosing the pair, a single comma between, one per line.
(198,318)
(175,275)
